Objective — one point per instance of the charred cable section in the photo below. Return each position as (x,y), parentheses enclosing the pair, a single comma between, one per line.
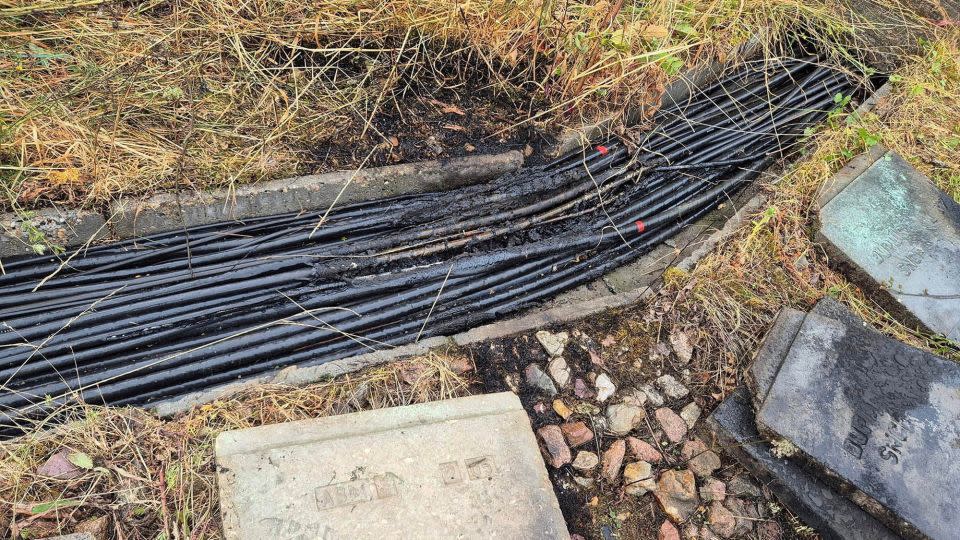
(139,321)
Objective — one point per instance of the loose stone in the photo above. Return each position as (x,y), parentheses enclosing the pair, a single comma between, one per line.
(668,531)
(643,450)
(677,494)
(605,387)
(673,426)
(638,478)
(671,387)
(654,397)
(623,417)
(682,347)
(584,482)
(553,343)
(581,390)
(713,490)
(538,379)
(561,409)
(690,414)
(555,450)
(701,460)
(577,433)
(586,461)
(560,371)
(707,534)
(59,466)
(635,397)
(613,459)
(721,520)
(769,530)
(742,486)
(744,512)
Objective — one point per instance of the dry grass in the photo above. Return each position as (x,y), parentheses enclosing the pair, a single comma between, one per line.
(119,97)
(731,297)
(103,98)
(153,479)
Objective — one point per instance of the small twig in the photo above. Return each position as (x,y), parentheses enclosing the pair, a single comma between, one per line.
(435,300)
(323,218)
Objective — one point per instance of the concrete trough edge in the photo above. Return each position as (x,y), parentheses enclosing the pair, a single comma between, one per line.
(131,217)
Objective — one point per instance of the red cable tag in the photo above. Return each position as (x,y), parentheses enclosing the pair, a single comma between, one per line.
(640,226)
(603,150)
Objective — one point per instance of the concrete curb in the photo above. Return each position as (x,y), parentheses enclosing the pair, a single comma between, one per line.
(170,211)
(132,217)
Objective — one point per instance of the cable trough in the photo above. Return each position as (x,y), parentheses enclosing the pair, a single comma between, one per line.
(139,321)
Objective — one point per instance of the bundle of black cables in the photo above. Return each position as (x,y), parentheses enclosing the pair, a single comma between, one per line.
(154,318)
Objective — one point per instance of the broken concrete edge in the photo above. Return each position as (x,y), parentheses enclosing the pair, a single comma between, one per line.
(260,438)
(842,178)
(131,217)
(33,232)
(873,99)
(538,318)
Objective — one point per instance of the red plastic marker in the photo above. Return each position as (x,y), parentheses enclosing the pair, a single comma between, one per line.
(640,226)
(603,150)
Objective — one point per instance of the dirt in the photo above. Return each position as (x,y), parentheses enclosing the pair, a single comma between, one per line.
(458,120)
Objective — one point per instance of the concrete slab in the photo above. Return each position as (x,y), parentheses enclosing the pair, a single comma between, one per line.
(814,502)
(893,232)
(878,417)
(461,468)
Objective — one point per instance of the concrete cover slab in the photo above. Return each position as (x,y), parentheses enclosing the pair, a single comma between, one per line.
(832,514)
(461,468)
(900,235)
(880,415)
(776,344)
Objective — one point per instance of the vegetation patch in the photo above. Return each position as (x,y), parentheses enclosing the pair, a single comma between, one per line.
(104,98)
